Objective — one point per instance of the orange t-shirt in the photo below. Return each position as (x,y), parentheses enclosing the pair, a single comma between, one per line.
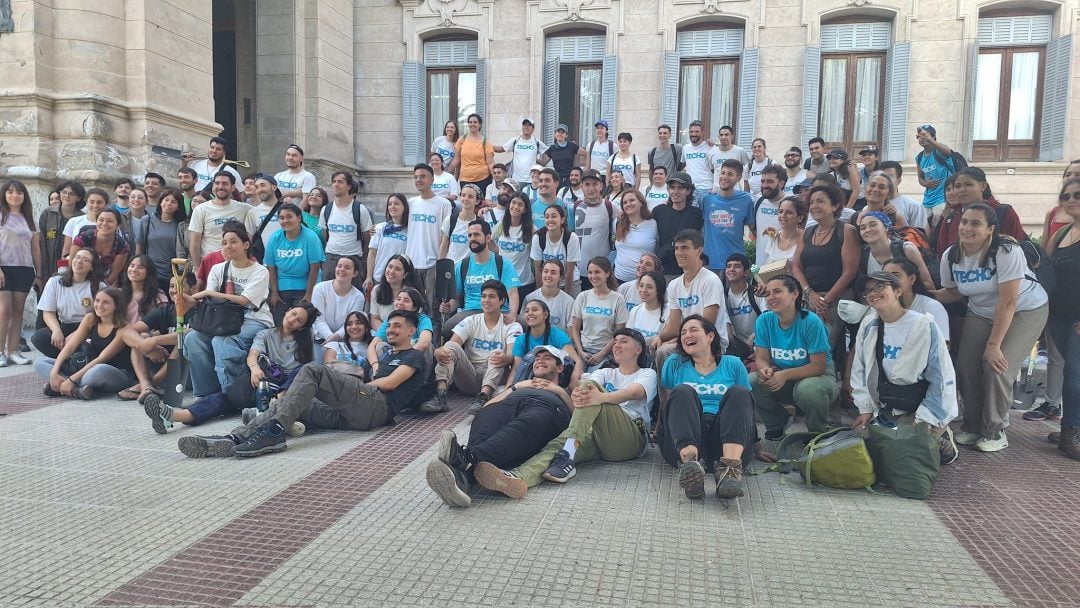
(473,155)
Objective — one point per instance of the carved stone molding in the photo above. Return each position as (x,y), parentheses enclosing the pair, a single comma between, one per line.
(572,8)
(446,12)
(709,7)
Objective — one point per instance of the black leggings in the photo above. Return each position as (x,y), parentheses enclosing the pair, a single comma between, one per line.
(513,430)
(42,339)
(686,424)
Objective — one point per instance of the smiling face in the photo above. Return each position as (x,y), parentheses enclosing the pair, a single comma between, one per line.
(395,208)
(95,203)
(264,190)
(695,134)
(106,224)
(357,326)
(686,253)
(625,350)
(694,339)
(553,220)
(792,159)
(877,190)
(550,275)
(398,331)
(293,159)
(82,262)
(535,315)
(736,272)
(788,215)
(15,197)
(168,205)
(545,185)
(422,180)
(478,241)
(872,230)
(881,296)
(907,282)
(404,302)
(974,230)
(617,180)
(758,149)
(631,206)
(821,207)
(490,301)
(450,129)
(345,269)
(778,297)
(468,199)
(516,209)
(597,275)
(136,272)
(546,366)
(646,289)
(104,305)
(394,272)
(646,264)
(290,222)
(728,178)
(223,188)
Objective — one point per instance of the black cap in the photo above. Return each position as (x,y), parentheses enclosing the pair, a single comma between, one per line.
(681,177)
(881,277)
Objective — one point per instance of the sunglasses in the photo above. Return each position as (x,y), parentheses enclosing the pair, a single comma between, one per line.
(791,155)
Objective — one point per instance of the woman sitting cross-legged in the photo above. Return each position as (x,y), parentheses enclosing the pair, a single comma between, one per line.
(902,367)
(67,298)
(609,421)
(95,358)
(708,420)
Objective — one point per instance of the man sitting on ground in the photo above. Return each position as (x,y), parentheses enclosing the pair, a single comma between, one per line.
(345,401)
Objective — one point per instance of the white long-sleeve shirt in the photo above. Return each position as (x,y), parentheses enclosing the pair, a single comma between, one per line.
(334,308)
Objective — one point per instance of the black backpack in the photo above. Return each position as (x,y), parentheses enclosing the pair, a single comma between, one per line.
(357,209)
(542,233)
(464,272)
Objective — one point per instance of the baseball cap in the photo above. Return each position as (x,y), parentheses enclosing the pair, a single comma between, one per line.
(512,184)
(602,123)
(851,311)
(803,185)
(562,127)
(266,178)
(929,129)
(556,352)
(881,277)
(871,149)
(536,168)
(529,121)
(591,174)
(837,153)
(681,177)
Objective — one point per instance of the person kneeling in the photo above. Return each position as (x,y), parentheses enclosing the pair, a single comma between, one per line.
(611,415)
(345,401)
(513,426)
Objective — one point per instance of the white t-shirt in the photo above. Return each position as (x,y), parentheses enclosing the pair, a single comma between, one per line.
(560,306)
(382,311)
(630,294)
(491,193)
(980,285)
(252,282)
(767,224)
(599,317)
(334,308)
(302,180)
(385,246)
(913,211)
(70,304)
(641,239)
(655,195)
(479,341)
(206,173)
(768,250)
(789,185)
(555,250)
(459,240)
(254,219)
(426,217)
(569,196)
(525,152)
(594,226)
(515,250)
(598,152)
(705,290)
(209,218)
(699,161)
(612,380)
(934,308)
(753,175)
(445,185)
(444,148)
(896,334)
(741,314)
(75,224)
(646,321)
(627,166)
(342,229)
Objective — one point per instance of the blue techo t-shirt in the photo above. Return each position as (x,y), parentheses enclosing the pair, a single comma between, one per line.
(526,342)
(293,259)
(538,209)
(935,166)
(478,273)
(792,347)
(725,220)
(711,388)
(423,325)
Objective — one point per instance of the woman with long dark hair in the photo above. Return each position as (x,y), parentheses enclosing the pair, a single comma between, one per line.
(53,221)
(650,315)
(20,266)
(389,239)
(397,275)
(356,336)
(140,289)
(412,300)
(512,239)
(540,332)
(846,174)
(97,200)
(163,235)
(555,241)
(66,299)
(970,187)
(110,243)
(336,299)
(445,144)
(474,156)
(1064,324)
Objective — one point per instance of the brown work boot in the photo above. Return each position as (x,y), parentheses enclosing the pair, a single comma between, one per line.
(728,473)
(1070,441)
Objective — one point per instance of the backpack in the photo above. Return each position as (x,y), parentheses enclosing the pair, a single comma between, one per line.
(542,233)
(676,152)
(357,209)
(513,150)
(958,160)
(610,147)
(915,236)
(896,246)
(610,217)
(633,158)
(1040,267)
(464,271)
(837,458)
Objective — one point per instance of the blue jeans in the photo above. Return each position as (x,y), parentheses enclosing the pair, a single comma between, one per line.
(101,377)
(216,360)
(1068,343)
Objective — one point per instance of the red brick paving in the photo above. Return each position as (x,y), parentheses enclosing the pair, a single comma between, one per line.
(222,567)
(1017,512)
(22,393)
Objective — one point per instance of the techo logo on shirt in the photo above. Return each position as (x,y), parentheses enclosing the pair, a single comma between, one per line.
(788,354)
(891,352)
(474,279)
(554,256)
(657,195)
(220,221)
(745,309)
(397,236)
(511,246)
(707,389)
(769,210)
(285,254)
(609,387)
(975,275)
(598,310)
(696,156)
(689,301)
(479,344)
(342,228)
(458,239)
(423,217)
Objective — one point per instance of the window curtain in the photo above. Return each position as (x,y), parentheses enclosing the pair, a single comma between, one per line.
(867,90)
(691,85)
(723,96)
(466,101)
(439,104)
(833,88)
(1022,90)
(591,94)
(987,88)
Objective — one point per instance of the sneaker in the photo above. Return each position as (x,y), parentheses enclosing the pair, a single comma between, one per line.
(160,414)
(692,479)
(23,346)
(478,403)
(992,445)
(49,392)
(248,414)
(491,477)
(296,429)
(963,438)
(268,439)
(207,446)
(449,483)
(3,360)
(451,452)
(1043,412)
(561,469)
(728,473)
(18,359)
(435,405)
(86,393)
(947,447)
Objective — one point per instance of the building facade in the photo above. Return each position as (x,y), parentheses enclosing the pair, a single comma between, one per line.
(367,84)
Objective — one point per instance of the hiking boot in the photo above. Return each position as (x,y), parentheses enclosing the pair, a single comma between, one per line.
(435,405)
(947,447)
(160,414)
(267,439)
(479,403)
(1043,412)
(207,446)
(451,452)
(449,483)
(1070,442)
(728,473)
(692,479)
(963,438)
(491,477)
(992,444)
(561,468)
(18,359)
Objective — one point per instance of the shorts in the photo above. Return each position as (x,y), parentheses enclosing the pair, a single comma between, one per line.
(18,278)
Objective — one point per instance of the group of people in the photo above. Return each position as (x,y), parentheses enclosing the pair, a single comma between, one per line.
(589,311)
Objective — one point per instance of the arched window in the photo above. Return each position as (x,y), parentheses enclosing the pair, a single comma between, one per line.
(579,84)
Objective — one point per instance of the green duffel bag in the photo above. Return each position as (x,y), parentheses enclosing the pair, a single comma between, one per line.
(906,458)
(837,458)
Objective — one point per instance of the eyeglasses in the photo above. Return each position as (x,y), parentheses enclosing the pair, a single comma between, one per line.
(67,193)
(791,155)
(1074,196)
(880,287)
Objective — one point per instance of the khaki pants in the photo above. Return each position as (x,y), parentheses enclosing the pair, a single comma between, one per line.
(604,431)
(988,395)
(812,396)
(461,373)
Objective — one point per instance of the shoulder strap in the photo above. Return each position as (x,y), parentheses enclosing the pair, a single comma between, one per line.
(326,212)
(144,238)
(757,205)
(610,147)
(357,209)
(542,234)
(499,266)
(266,220)
(453,222)
(224,276)
(879,347)
(1059,236)
(652,155)
(898,248)
(464,270)
(591,144)
(566,237)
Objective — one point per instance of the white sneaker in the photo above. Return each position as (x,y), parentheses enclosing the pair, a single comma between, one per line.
(3,360)
(296,429)
(992,445)
(963,438)
(19,359)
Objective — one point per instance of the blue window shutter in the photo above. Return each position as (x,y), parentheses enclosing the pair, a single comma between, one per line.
(481,87)
(897,71)
(973,83)
(413,112)
(607,101)
(748,85)
(811,93)
(669,102)
(551,98)
(1055,97)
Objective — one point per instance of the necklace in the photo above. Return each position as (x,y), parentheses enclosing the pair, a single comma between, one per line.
(818,240)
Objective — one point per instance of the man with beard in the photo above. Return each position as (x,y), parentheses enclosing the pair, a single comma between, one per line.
(476,269)
(267,196)
(796,174)
(562,155)
(346,225)
(208,219)
(698,158)
(546,196)
(767,207)
(207,168)
(122,190)
(295,181)
(187,178)
(573,190)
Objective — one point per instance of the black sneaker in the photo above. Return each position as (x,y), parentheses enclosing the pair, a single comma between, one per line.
(1044,412)
(561,468)
(692,479)
(268,439)
(452,452)
(50,391)
(207,446)
(23,346)
(947,447)
(435,405)
(449,483)
(479,403)
(158,412)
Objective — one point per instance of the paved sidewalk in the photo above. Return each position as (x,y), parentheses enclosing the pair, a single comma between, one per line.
(95,509)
